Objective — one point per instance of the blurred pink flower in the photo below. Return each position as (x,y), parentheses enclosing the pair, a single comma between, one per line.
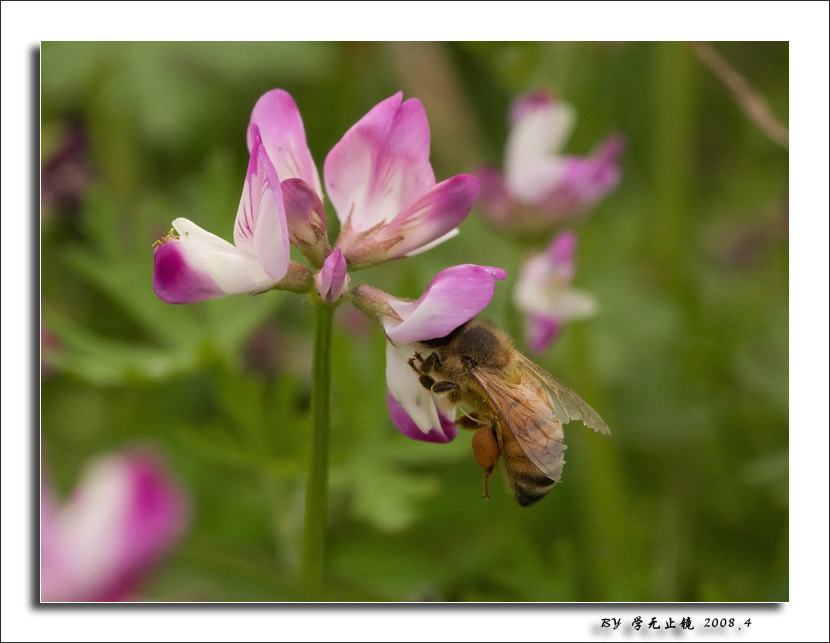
(126,513)
(544,293)
(49,345)
(455,295)
(540,187)
(66,176)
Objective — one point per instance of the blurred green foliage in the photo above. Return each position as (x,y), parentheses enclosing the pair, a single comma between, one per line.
(687,359)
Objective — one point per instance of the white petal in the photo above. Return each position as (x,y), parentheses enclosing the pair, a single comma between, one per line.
(576,304)
(404,386)
(532,164)
(231,269)
(563,303)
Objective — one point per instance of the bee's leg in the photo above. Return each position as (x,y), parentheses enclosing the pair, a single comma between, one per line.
(425,365)
(426,381)
(470,421)
(444,387)
(450,389)
(486,452)
(428,365)
(431,363)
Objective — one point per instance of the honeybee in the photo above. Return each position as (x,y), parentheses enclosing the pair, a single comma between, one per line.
(516,408)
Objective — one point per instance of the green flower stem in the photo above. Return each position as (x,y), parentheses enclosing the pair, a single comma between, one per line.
(316,499)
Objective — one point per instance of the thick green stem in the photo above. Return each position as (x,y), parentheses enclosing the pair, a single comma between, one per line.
(316,499)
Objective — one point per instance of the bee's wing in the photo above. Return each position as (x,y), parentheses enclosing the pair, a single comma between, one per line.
(534,409)
(567,404)
(526,411)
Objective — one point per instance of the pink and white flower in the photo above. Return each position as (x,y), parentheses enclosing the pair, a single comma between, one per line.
(197,265)
(378,178)
(454,296)
(541,187)
(126,513)
(545,295)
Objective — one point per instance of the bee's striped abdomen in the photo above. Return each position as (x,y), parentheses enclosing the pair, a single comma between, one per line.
(529,485)
(530,488)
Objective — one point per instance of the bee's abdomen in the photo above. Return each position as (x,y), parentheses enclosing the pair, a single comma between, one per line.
(528,483)
(530,487)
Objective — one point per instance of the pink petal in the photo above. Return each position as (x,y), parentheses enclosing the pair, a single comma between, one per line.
(306,220)
(526,104)
(611,150)
(443,433)
(332,281)
(584,181)
(454,296)
(199,265)
(261,227)
(541,331)
(175,281)
(381,165)
(561,255)
(278,121)
(432,216)
(157,512)
(303,210)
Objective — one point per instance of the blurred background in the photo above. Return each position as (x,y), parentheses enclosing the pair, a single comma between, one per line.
(686,359)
